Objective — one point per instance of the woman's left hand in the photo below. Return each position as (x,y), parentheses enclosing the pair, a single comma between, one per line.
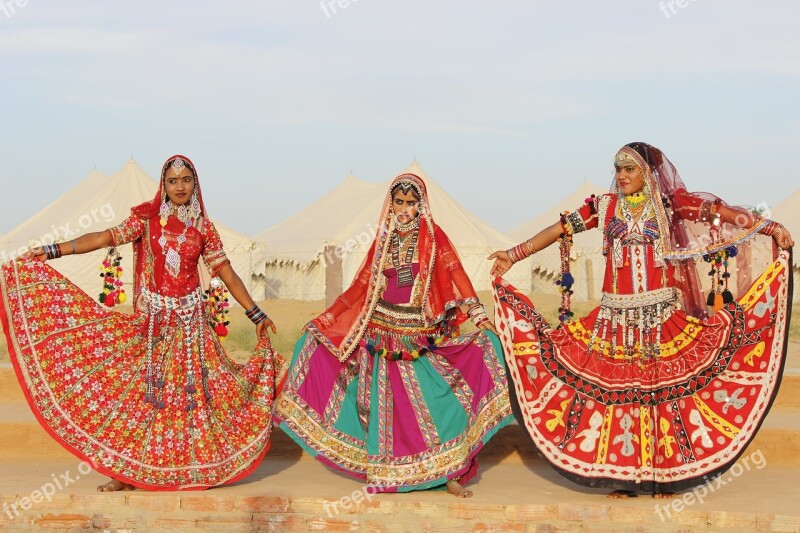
(489,326)
(261,329)
(784,239)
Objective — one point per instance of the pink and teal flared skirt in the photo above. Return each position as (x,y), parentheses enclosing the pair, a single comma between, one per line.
(400,425)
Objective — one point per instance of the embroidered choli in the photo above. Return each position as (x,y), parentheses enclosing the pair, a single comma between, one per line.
(152,274)
(632,247)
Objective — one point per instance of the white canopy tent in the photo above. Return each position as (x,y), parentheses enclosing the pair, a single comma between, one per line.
(295,262)
(346,219)
(587,259)
(98,202)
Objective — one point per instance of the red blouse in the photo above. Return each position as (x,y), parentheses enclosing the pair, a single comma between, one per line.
(632,262)
(204,243)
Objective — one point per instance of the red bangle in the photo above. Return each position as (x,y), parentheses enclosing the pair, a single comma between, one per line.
(521,251)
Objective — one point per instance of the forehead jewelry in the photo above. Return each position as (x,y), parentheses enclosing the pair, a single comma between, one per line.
(406,186)
(178,165)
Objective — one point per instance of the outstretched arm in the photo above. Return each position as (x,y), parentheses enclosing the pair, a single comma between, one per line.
(83,244)
(745,219)
(693,207)
(503,260)
(239,292)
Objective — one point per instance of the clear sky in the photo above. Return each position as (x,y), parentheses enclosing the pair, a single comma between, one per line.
(508,104)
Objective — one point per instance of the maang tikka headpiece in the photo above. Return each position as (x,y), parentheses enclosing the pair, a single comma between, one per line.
(624,159)
(178,165)
(406,186)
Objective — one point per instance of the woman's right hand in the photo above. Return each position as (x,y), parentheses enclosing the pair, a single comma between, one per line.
(34,253)
(502,263)
(263,327)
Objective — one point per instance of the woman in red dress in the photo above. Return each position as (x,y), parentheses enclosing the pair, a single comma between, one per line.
(648,393)
(149,399)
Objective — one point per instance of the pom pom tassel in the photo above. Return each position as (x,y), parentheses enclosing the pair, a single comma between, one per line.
(566,280)
(217,305)
(113,292)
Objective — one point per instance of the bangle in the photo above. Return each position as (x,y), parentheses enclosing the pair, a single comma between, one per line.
(476,309)
(256,315)
(772,229)
(521,251)
(478,315)
(51,251)
(512,256)
(73,246)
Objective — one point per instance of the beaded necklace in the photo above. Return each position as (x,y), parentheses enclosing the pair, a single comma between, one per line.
(405,277)
(173,256)
(635,203)
(408,226)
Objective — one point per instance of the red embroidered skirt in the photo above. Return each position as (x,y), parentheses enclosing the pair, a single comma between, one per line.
(83,370)
(644,422)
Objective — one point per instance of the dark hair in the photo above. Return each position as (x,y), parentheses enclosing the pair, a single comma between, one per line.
(651,155)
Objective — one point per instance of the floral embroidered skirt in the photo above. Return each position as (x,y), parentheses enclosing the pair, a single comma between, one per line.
(83,370)
(650,420)
(399,424)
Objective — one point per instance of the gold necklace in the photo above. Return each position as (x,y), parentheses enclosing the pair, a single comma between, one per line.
(635,203)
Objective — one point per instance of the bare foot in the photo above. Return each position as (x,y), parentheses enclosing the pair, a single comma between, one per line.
(663,495)
(114,485)
(456,489)
(622,494)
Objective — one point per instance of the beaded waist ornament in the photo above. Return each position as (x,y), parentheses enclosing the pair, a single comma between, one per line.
(636,320)
(397,331)
(400,319)
(190,313)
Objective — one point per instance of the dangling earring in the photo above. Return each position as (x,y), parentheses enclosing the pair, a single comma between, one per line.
(163,212)
(194,206)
